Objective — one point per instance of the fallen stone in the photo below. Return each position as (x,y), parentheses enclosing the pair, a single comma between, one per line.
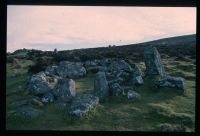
(69,69)
(36,102)
(174,82)
(39,84)
(81,105)
(120,65)
(26,113)
(32,101)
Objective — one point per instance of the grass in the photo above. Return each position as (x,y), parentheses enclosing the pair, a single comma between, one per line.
(155,108)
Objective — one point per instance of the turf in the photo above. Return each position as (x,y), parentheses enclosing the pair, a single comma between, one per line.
(156,106)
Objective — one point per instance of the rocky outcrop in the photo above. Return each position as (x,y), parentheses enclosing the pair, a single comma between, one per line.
(169,81)
(39,85)
(137,76)
(69,69)
(101,88)
(154,65)
(81,105)
(65,89)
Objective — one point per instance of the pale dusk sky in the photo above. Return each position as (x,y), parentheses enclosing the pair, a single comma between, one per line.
(73,27)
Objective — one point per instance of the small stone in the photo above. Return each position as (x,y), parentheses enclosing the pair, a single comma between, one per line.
(137,76)
(133,95)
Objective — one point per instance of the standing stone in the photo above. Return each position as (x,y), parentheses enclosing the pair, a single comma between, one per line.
(101,88)
(137,76)
(65,89)
(154,65)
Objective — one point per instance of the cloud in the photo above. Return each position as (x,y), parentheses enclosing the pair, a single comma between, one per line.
(69,27)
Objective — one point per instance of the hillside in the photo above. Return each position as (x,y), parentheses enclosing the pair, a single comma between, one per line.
(158,109)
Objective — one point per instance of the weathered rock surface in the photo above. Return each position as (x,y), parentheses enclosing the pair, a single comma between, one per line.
(83,104)
(26,113)
(91,63)
(116,89)
(119,66)
(97,62)
(132,95)
(154,65)
(39,84)
(69,69)
(101,88)
(137,76)
(65,89)
(119,71)
(48,98)
(169,81)
(51,70)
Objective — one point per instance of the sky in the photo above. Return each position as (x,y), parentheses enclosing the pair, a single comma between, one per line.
(74,27)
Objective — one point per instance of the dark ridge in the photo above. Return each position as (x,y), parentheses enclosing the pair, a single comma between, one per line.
(178,47)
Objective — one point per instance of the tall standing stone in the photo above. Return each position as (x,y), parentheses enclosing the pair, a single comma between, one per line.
(154,65)
(101,88)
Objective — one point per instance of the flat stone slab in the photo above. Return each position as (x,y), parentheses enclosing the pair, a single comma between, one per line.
(83,104)
(26,113)
(174,82)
